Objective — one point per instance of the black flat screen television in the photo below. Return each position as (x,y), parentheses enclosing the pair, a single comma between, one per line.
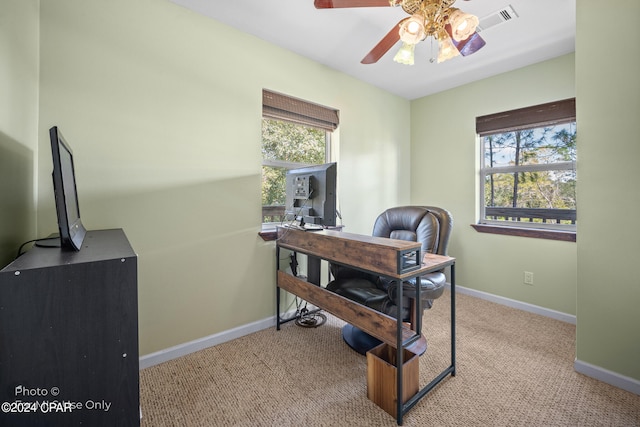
(72,231)
(311,194)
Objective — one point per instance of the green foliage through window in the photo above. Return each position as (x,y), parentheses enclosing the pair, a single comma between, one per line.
(286,145)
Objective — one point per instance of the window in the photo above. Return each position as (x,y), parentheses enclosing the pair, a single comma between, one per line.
(528,167)
(295,133)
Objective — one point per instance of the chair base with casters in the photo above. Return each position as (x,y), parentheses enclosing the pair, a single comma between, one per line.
(358,339)
(362,342)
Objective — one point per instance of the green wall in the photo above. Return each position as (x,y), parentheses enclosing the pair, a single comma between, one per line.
(444,172)
(162,107)
(18,123)
(608,108)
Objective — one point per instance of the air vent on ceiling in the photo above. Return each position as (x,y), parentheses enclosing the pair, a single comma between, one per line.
(503,15)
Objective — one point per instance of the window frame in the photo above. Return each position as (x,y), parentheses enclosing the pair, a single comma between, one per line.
(280,107)
(538,116)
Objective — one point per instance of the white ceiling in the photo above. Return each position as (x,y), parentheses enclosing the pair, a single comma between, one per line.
(340,38)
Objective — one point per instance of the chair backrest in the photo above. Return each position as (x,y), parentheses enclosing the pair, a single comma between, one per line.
(429,225)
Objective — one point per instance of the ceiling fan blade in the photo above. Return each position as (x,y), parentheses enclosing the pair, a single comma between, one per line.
(333,4)
(383,45)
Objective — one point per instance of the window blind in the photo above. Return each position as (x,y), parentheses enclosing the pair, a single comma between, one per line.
(282,107)
(548,114)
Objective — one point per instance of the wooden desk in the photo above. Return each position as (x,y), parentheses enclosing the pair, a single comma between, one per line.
(385,257)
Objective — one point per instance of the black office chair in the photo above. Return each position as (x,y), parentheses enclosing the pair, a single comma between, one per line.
(428,225)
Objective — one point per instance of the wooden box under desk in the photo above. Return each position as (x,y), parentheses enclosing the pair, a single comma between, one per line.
(382,375)
(376,254)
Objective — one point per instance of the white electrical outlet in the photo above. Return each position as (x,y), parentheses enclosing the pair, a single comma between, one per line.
(528,278)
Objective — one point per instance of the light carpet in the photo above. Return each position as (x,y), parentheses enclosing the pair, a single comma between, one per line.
(513,368)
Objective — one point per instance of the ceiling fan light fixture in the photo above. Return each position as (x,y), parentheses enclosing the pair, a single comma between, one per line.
(412,29)
(405,54)
(462,24)
(453,29)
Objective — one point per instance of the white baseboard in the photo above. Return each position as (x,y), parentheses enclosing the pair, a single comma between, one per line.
(184,349)
(558,315)
(612,378)
(205,342)
(601,374)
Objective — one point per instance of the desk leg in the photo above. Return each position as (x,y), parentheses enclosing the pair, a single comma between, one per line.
(452,368)
(277,289)
(400,353)
(453,320)
(313,270)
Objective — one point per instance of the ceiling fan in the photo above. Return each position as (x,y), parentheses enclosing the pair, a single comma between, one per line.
(453,29)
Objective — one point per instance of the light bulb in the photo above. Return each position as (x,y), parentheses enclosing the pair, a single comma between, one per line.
(412,29)
(462,24)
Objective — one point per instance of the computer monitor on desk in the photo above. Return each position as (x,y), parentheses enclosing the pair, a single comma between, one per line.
(311,195)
